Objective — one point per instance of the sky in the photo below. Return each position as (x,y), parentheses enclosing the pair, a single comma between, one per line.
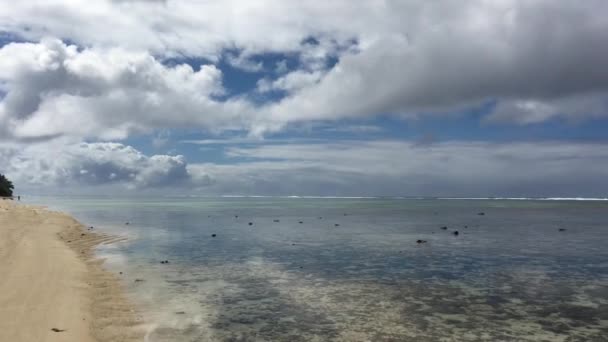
(476,98)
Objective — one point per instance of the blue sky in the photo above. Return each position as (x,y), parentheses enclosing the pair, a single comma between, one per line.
(284,97)
(467,124)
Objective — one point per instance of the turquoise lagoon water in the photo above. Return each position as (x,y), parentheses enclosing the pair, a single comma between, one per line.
(314,269)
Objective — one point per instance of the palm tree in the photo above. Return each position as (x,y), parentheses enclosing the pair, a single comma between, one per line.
(6,187)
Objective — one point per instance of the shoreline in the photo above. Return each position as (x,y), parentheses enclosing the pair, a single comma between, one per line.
(53,287)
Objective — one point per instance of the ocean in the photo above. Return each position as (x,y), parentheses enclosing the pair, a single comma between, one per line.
(353,269)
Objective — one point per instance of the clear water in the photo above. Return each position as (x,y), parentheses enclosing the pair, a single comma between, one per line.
(510,275)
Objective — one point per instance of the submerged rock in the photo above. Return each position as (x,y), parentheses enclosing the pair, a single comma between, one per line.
(213,235)
(455,232)
(251,223)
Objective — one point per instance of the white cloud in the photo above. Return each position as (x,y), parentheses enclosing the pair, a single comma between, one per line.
(53,89)
(191,28)
(349,168)
(69,165)
(244,62)
(537,59)
(572,108)
(291,82)
(402,168)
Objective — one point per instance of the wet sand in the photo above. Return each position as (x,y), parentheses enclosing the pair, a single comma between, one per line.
(51,286)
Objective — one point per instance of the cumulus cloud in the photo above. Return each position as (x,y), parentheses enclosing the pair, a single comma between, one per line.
(537,59)
(53,89)
(524,53)
(191,28)
(91,164)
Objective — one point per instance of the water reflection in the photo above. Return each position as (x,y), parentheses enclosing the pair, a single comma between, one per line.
(509,275)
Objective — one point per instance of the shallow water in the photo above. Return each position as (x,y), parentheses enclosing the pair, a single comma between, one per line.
(509,275)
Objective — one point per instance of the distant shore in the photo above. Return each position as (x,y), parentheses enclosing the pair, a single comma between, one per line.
(52,288)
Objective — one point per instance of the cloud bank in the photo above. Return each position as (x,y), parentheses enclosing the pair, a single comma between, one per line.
(538,60)
(348,168)
(89,164)
(53,89)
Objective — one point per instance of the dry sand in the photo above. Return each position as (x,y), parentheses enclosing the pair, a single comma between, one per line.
(49,279)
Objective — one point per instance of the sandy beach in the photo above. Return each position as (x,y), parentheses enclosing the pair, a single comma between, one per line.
(51,286)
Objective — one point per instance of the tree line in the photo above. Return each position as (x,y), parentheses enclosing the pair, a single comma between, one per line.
(6,187)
